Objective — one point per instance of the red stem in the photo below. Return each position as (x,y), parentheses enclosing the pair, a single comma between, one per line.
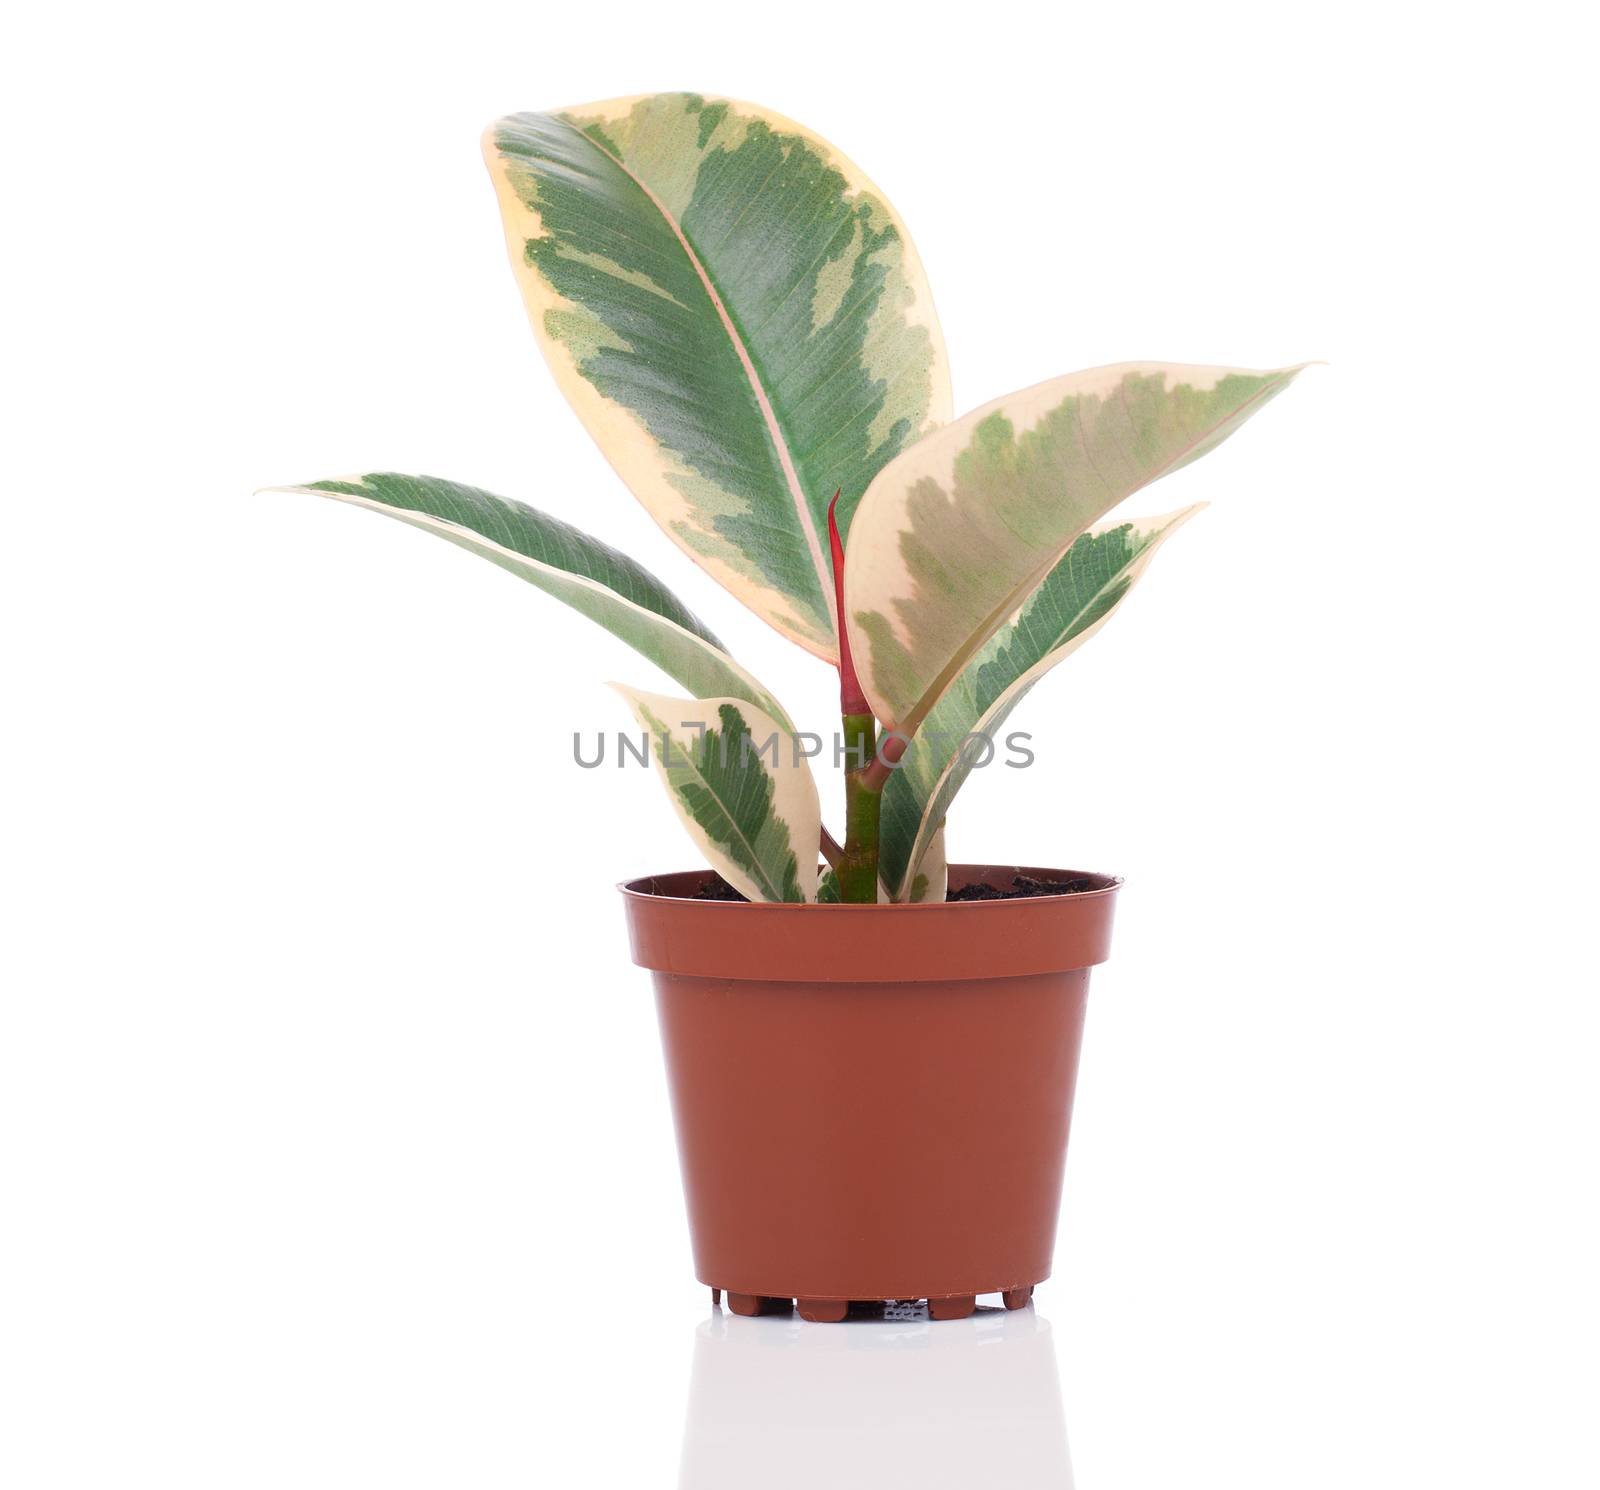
(831,850)
(851,699)
(890,748)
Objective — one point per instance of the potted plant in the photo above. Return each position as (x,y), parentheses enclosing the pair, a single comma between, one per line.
(871,1051)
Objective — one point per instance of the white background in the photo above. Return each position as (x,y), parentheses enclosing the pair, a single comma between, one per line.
(334,1147)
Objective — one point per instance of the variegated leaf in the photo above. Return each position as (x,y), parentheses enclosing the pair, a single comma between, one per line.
(593,578)
(747,798)
(737,315)
(954,535)
(1074,602)
(932,878)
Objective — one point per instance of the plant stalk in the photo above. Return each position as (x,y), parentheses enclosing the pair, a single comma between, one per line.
(857,867)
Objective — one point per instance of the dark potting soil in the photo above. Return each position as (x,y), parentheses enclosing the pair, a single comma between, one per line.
(717,888)
(1023,887)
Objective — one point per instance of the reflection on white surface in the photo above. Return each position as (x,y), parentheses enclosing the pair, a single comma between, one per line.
(779,1403)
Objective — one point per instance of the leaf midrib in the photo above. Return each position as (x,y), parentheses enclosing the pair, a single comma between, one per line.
(769,415)
(758,870)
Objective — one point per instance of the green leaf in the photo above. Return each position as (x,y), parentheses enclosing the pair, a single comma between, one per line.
(737,315)
(593,578)
(1072,604)
(745,794)
(954,535)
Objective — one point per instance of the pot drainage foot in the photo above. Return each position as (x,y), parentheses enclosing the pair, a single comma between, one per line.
(751,1304)
(957,1307)
(1017,1298)
(823,1311)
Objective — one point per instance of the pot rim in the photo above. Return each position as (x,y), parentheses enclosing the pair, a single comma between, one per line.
(938,942)
(638,889)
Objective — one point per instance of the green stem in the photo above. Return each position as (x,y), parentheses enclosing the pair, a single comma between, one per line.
(857,870)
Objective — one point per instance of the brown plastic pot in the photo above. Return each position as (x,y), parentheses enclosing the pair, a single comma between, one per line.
(872,1102)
